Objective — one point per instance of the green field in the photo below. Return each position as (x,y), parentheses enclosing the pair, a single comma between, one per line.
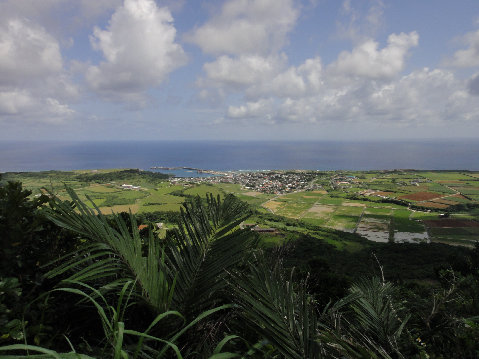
(367,195)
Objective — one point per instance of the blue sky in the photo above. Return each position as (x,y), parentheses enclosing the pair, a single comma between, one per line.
(238,69)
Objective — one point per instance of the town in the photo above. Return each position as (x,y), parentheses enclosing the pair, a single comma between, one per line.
(273,182)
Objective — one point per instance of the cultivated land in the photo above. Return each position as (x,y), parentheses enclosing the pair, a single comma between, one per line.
(380,206)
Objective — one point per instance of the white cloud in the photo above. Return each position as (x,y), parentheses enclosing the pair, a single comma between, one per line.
(293,82)
(139,49)
(29,107)
(240,72)
(245,27)
(426,97)
(363,85)
(33,82)
(367,61)
(27,53)
(15,102)
(467,57)
(423,96)
(259,109)
(258,76)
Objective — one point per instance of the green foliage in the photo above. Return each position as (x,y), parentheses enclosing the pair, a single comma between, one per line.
(28,240)
(115,332)
(272,307)
(186,272)
(20,246)
(378,314)
(116,254)
(123,175)
(204,247)
(10,326)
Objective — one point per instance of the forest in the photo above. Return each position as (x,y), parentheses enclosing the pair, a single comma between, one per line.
(79,283)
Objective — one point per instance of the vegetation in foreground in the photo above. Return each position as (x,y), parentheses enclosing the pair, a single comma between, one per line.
(208,289)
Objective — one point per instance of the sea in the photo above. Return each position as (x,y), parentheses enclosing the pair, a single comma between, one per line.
(18,156)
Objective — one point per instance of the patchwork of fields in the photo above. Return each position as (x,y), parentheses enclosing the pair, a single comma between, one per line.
(382,206)
(390,206)
(380,222)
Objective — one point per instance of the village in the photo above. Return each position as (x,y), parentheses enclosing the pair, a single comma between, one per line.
(273,182)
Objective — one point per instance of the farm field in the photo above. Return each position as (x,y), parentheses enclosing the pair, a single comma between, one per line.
(389,206)
(381,206)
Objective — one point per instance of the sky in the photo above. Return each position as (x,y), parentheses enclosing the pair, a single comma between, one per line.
(239,69)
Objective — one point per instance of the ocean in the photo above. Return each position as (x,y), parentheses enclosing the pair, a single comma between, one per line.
(241,155)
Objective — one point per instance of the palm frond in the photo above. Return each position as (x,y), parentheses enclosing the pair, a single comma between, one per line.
(377,312)
(115,254)
(367,324)
(205,246)
(183,272)
(278,312)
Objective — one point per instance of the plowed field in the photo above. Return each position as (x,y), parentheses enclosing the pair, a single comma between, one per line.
(421,196)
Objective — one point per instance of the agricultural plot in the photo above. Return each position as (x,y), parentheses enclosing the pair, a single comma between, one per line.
(345,218)
(358,202)
(291,209)
(161,200)
(202,190)
(405,229)
(319,214)
(458,198)
(440,188)
(252,197)
(421,196)
(466,191)
(374,229)
(445,175)
(453,231)
(434,205)
(378,212)
(293,205)
(337,217)
(318,209)
(111,197)
(380,222)
(392,226)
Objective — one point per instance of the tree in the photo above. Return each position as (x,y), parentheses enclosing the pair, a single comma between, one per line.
(184,273)
(20,222)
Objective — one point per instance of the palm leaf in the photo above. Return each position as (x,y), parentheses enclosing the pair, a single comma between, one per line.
(205,246)
(278,312)
(113,254)
(367,323)
(184,274)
